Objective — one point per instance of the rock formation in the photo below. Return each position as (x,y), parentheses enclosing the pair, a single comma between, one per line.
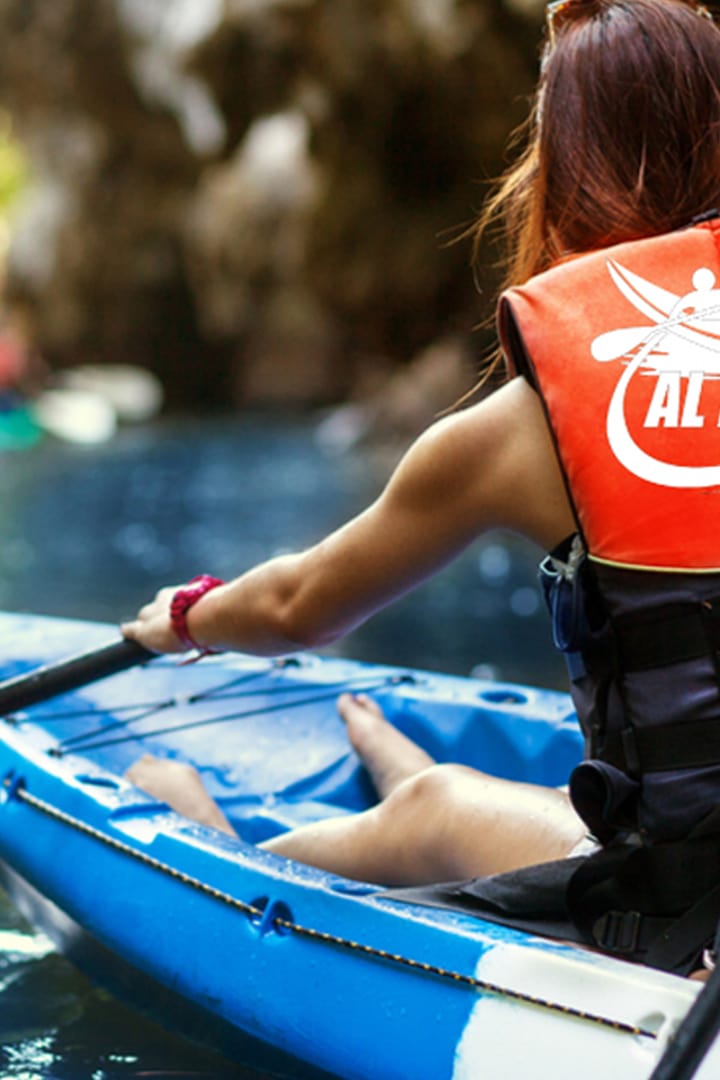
(256,198)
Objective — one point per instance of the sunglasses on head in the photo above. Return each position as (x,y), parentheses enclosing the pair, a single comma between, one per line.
(561,12)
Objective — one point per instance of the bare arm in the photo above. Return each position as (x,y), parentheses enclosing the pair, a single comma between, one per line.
(491,465)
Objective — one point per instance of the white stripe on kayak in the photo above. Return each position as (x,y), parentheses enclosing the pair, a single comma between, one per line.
(506,1040)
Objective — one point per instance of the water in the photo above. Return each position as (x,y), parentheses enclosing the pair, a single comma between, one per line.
(55,1025)
(92,532)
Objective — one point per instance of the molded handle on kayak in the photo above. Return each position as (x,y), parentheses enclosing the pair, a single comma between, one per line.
(22,691)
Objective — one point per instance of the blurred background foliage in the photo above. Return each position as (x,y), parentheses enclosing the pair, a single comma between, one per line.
(13,168)
(13,181)
(255,199)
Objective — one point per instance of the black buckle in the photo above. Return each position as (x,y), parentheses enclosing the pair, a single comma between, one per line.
(618,931)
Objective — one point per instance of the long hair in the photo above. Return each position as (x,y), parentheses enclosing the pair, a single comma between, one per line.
(623,140)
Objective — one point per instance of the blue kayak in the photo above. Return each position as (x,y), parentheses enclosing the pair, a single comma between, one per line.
(287,968)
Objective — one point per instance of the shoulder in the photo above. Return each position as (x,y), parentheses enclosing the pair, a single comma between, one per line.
(492,465)
(502,425)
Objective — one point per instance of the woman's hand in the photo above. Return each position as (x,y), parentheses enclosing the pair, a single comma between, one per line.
(152,627)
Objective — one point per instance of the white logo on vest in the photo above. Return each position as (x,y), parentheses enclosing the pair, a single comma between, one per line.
(682,349)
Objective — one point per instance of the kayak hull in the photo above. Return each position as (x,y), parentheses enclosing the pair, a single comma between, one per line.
(275,963)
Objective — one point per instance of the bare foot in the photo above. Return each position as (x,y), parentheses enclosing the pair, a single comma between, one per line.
(388,755)
(178,784)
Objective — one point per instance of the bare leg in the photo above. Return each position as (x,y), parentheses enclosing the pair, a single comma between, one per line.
(443,824)
(388,755)
(180,786)
(435,822)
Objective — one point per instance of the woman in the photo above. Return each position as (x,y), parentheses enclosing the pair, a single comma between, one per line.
(605,429)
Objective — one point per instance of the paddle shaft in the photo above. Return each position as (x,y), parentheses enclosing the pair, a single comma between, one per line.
(22,691)
(694,1036)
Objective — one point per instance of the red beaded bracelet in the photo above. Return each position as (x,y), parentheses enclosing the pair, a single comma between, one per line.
(183,600)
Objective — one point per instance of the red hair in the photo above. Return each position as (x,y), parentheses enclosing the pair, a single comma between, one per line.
(624,135)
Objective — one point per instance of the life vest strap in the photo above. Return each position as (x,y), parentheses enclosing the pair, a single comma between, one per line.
(666,747)
(626,933)
(671,635)
(676,949)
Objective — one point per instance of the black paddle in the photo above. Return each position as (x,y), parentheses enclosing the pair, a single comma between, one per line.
(695,1035)
(43,683)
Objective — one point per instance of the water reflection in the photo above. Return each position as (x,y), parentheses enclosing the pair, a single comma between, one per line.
(91,532)
(55,1025)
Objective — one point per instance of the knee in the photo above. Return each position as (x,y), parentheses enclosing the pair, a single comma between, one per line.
(423,815)
(431,791)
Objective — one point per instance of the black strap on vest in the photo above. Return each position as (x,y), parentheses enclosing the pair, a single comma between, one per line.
(665,636)
(659,903)
(687,745)
(658,639)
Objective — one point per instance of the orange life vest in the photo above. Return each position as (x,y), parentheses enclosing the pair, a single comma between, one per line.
(624,347)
